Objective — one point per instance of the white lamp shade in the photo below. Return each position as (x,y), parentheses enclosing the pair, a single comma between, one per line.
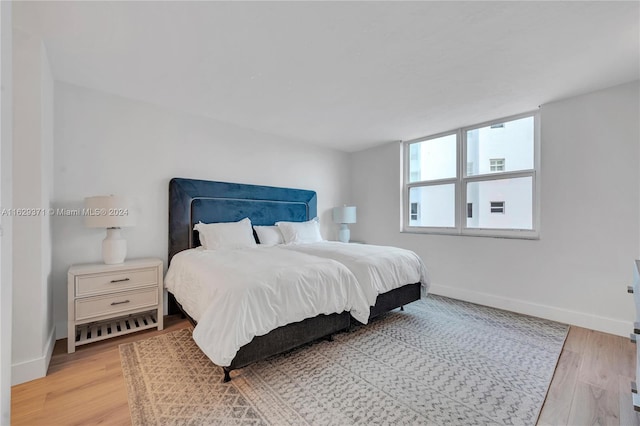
(345,214)
(108,211)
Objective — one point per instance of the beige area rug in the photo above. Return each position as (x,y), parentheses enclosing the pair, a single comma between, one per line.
(440,362)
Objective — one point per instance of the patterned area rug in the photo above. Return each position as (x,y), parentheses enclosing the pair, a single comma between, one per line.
(441,361)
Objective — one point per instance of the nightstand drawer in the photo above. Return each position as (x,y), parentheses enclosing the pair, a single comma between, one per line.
(98,306)
(109,282)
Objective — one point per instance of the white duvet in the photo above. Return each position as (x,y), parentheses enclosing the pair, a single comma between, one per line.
(235,295)
(377,268)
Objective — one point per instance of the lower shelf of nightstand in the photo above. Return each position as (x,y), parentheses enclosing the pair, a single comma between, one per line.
(96,331)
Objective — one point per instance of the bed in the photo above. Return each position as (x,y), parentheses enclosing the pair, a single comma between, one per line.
(233,303)
(383,271)
(192,201)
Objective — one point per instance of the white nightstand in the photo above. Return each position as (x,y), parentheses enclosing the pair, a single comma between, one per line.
(111,300)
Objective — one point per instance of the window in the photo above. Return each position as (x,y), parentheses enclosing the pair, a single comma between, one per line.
(414,211)
(497,206)
(495,165)
(487,165)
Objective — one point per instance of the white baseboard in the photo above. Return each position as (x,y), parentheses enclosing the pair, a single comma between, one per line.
(35,368)
(580,319)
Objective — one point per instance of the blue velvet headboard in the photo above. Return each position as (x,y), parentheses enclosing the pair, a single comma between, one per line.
(192,201)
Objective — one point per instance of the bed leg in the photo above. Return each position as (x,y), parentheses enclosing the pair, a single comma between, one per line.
(402,308)
(227,377)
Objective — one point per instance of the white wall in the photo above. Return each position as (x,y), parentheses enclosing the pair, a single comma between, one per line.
(33,332)
(6,156)
(578,271)
(106,144)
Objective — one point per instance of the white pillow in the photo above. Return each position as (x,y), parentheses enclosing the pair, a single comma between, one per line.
(215,236)
(300,232)
(269,235)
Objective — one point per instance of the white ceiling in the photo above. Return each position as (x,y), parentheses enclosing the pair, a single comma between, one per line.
(347,75)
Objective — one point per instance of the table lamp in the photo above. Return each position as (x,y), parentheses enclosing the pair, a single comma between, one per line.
(111,212)
(344,215)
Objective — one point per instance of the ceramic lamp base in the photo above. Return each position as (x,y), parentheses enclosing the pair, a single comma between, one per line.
(344,234)
(114,247)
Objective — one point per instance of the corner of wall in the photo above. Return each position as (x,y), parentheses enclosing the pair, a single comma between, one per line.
(6,237)
(33,329)
(34,368)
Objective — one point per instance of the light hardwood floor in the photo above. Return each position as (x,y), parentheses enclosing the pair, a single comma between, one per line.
(591,385)
(592,382)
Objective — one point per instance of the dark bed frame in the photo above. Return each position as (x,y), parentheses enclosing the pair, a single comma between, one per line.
(192,201)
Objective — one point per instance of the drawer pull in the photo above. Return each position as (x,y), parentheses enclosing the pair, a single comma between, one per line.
(630,289)
(120,281)
(120,303)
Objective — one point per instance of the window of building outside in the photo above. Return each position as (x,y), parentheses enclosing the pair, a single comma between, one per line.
(460,182)
(496,165)
(414,211)
(497,207)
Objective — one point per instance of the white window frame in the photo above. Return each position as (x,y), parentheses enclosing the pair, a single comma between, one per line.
(462,179)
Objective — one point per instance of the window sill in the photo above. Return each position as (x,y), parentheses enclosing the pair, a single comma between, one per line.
(487,233)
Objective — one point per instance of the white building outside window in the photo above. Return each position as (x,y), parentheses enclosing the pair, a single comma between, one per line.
(453,179)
